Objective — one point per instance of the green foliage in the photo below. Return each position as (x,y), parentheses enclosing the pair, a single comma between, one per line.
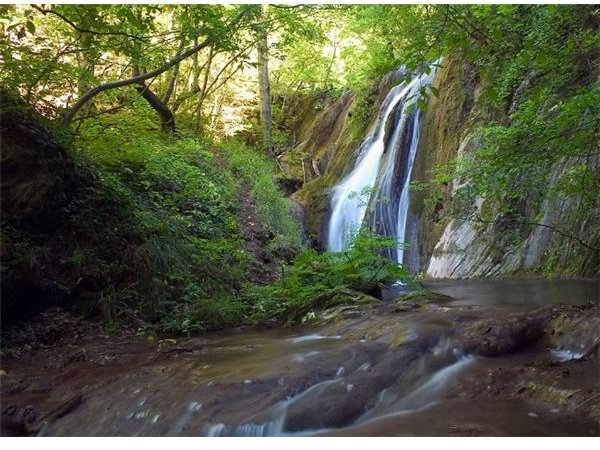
(196,312)
(386,36)
(177,180)
(273,209)
(55,50)
(320,280)
(182,209)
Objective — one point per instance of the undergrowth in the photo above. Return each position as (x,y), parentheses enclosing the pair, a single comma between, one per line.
(317,281)
(151,238)
(272,208)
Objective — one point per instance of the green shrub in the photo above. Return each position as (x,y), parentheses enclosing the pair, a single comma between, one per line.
(168,214)
(195,312)
(321,280)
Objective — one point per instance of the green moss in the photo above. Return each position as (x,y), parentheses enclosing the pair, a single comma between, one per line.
(422,296)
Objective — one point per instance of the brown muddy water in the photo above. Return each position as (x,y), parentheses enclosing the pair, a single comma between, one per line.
(384,371)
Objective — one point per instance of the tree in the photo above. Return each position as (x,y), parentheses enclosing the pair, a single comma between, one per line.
(266,117)
(167,120)
(141,78)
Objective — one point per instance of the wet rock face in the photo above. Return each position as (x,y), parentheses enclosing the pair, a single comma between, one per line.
(502,336)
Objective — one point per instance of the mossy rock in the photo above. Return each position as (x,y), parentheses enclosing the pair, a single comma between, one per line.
(336,304)
(420,297)
(339,313)
(550,394)
(401,338)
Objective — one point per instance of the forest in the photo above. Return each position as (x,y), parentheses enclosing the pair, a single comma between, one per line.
(291,220)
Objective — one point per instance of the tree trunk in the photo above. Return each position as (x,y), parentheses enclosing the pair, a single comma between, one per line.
(173,80)
(87,66)
(167,120)
(266,117)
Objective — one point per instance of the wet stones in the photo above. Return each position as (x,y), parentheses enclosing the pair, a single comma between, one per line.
(338,405)
(18,420)
(575,328)
(501,336)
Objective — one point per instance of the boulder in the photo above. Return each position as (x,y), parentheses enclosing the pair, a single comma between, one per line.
(500,336)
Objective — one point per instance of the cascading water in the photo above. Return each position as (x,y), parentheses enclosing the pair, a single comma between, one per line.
(379,182)
(417,388)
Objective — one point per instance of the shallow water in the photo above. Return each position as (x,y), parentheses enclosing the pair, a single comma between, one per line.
(386,374)
(518,293)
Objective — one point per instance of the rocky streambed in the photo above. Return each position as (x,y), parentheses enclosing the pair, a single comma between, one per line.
(474,364)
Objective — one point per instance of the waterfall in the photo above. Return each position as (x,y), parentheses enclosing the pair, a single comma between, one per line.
(376,191)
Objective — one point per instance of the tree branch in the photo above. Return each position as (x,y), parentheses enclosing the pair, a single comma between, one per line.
(173,79)
(100,113)
(206,88)
(68,117)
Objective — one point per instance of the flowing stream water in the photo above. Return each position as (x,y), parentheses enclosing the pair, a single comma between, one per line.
(376,191)
(367,374)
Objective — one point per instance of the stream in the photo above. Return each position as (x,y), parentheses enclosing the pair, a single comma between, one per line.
(387,371)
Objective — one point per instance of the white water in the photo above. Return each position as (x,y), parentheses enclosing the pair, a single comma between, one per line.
(565,355)
(422,397)
(313,337)
(375,174)
(389,404)
(277,413)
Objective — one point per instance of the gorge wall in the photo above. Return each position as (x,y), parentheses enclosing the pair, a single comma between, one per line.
(445,245)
